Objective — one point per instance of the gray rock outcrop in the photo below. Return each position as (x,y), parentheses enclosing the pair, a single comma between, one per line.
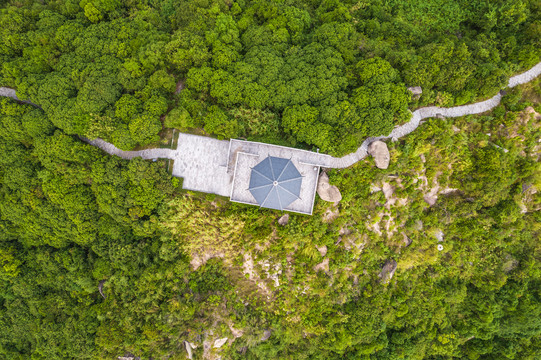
(100,288)
(266,335)
(416,91)
(327,191)
(7,92)
(407,240)
(283,220)
(322,250)
(531,110)
(189,350)
(220,342)
(380,153)
(388,271)
(11,93)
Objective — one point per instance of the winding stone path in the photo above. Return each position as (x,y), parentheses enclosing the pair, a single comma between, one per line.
(205,163)
(11,93)
(403,130)
(145,154)
(525,77)
(430,112)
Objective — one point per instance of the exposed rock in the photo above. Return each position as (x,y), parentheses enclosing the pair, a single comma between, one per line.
(180,86)
(439,235)
(189,349)
(236,332)
(380,153)
(416,91)
(129,356)
(201,259)
(266,335)
(388,190)
(448,191)
(499,147)
(322,250)
(206,348)
(431,197)
(7,92)
(100,288)
(419,225)
(324,265)
(11,93)
(388,271)
(374,188)
(407,240)
(330,214)
(455,129)
(248,268)
(219,343)
(283,220)
(273,272)
(531,110)
(327,191)
(510,263)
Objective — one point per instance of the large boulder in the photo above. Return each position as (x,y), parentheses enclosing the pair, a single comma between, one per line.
(283,220)
(327,191)
(416,91)
(380,153)
(266,335)
(407,240)
(189,349)
(388,271)
(219,343)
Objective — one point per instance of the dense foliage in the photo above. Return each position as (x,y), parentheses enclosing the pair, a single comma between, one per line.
(72,217)
(175,266)
(326,73)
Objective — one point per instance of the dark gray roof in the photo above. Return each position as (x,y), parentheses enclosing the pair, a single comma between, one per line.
(275,183)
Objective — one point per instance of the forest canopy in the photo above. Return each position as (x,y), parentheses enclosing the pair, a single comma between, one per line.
(102,257)
(318,74)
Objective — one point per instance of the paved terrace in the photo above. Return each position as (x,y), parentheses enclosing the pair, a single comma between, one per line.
(223,167)
(202,163)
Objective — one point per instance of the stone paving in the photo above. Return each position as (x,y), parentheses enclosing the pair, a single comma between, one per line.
(11,93)
(202,163)
(223,167)
(145,154)
(525,77)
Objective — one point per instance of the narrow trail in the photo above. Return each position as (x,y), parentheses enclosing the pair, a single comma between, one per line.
(327,160)
(430,112)
(10,93)
(128,155)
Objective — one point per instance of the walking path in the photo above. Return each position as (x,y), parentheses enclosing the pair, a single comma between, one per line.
(434,111)
(128,155)
(8,92)
(207,164)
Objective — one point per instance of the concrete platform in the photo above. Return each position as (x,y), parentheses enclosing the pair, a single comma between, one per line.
(202,163)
